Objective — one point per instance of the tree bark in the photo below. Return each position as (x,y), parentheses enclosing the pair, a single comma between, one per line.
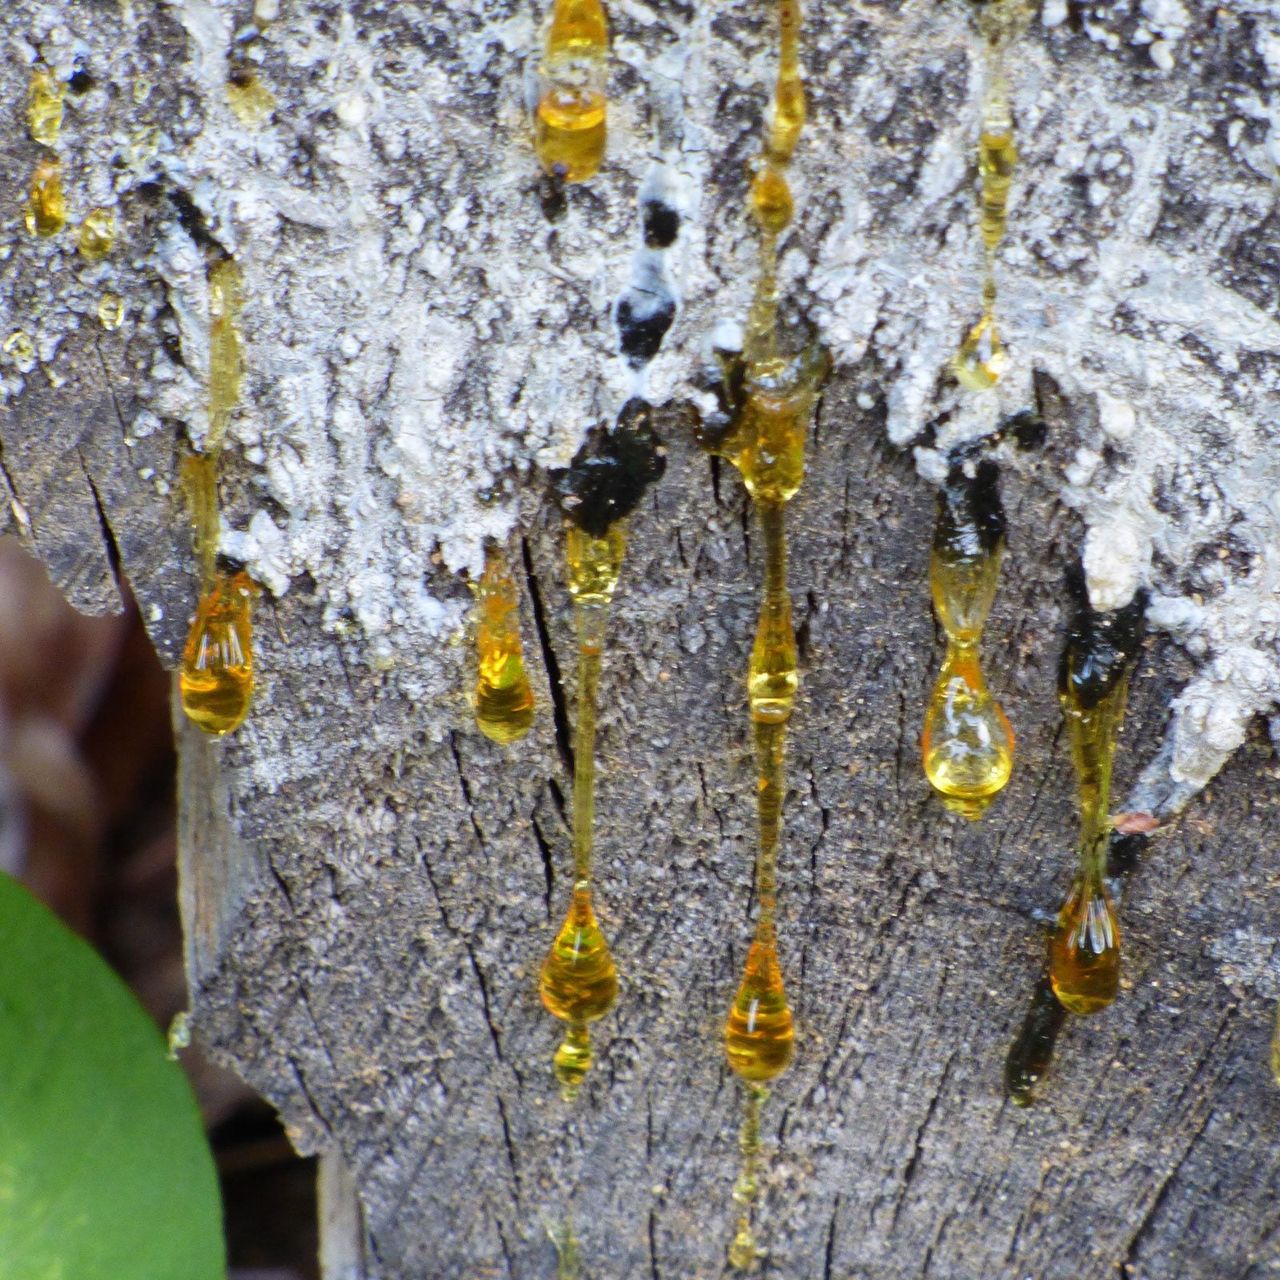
(369,885)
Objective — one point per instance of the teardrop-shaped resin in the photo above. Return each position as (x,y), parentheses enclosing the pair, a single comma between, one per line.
(1084,952)
(967,742)
(573,1059)
(504,699)
(579,982)
(758,1033)
(216,681)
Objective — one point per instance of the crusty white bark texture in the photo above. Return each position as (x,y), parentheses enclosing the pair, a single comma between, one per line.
(370,885)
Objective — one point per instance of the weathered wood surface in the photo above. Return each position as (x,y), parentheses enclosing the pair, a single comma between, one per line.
(386,881)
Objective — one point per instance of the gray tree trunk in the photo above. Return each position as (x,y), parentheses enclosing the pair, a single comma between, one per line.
(369,885)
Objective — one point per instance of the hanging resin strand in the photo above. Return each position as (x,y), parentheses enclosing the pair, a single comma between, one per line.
(579,982)
(1093,684)
(569,124)
(504,700)
(216,680)
(967,743)
(981,358)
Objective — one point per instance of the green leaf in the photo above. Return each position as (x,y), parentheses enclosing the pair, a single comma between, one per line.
(105,1173)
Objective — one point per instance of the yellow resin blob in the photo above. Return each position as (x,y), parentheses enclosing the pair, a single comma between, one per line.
(46,211)
(967,742)
(504,698)
(569,123)
(216,680)
(578,985)
(758,1033)
(1084,953)
(44,106)
(97,234)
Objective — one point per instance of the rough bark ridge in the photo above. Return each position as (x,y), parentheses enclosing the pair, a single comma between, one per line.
(420,341)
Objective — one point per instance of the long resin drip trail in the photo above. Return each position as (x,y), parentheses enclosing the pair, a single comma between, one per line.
(216,680)
(981,359)
(579,982)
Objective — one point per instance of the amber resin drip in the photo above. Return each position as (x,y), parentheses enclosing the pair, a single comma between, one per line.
(225,358)
(579,981)
(44,106)
(46,211)
(1093,684)
(569,123)
(967,743)
(504,699)
(97,234)
(981,359)
(770,396)
(216,681)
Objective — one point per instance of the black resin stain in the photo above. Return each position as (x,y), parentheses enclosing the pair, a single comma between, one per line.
(1100,648)
(1031,1053)
(661,225)
(971,522)
(609,474)
(642,324)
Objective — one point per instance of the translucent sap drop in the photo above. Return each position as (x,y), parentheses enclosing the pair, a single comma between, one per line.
(595,564)
(111,311)
(997,159)
(967,743)
(579,982)
(1084,952)
(97,234)
(250,99)
(981,360)
(771,199)
(578,29)
(504,700)
(44,107)
(788,118)
(758,1033)
(46,211)
(570,132)
(216,681)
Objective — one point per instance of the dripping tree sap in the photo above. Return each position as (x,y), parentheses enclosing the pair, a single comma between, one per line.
(980,360)
(503,697)
(569,123)
(579,981)
(966,743)
(216,680)
(1093,685)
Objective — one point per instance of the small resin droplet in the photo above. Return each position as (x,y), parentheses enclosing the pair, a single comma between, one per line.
(742,1252)
(111,311)
(19,347)
(595,564)
(1084,952)
(982,359)
(758,1033)
(504,699)
(579,982)
(788,118)
(573,1059)
(250,99)
(44,107)
(97,234)
(771,199)
(1275,1050)
(46,211)
(216,681)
